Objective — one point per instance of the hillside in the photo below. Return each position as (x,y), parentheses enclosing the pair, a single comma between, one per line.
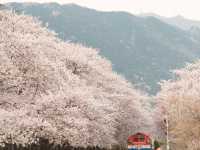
(144,50)
(64,92)
(178,21)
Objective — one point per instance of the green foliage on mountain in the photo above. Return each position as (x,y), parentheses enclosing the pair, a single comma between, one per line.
(143,49)
(178,21)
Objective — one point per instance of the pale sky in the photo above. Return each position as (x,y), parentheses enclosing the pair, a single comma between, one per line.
(187,8)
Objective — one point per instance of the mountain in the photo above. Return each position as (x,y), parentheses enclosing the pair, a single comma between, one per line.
(143,49)
(178,21)
(2,6)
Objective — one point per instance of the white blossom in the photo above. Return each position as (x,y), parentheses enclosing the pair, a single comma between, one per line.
(180,100)
(61,91)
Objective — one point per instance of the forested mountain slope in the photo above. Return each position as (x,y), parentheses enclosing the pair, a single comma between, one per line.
(178,21)
(142,49)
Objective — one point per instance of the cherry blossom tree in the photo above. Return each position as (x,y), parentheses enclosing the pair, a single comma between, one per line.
(61,91)
(181,100)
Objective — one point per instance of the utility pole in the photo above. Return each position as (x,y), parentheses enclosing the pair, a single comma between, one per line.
(167,131)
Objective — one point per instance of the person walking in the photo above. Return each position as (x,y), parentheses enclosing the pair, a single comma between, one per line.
(156,145)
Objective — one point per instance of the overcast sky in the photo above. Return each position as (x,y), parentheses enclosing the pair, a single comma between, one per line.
(187,8)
